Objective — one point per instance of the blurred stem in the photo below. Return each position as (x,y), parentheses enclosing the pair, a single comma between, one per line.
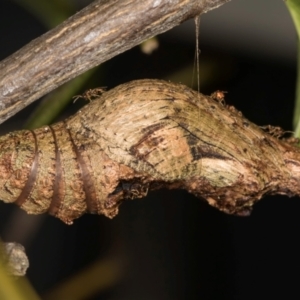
(296,120)
(12,289)
(55,102)
(49,13)
(97,277)
(294,9)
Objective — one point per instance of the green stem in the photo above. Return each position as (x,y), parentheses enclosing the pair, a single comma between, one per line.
(56,102)
(15,289)
(294,9)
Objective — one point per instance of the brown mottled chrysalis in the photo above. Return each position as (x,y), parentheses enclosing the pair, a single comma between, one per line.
(139,136)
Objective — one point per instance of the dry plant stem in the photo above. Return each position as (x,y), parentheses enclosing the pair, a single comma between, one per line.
(99,32)
(142,136)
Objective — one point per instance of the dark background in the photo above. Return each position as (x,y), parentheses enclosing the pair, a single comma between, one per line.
(172,245)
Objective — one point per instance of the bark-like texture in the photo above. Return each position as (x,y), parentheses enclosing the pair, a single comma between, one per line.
(99,32)
(141,136)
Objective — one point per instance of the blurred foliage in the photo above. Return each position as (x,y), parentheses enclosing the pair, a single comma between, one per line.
(49,13)
(54,103)
(294,8)
(99,276)
(12,289)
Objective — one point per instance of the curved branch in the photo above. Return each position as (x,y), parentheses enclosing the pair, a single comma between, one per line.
(99,32)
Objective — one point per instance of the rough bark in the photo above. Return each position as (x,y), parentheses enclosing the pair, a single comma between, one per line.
(99,32)
(142,136)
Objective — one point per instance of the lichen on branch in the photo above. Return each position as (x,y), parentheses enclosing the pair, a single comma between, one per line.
(141,136)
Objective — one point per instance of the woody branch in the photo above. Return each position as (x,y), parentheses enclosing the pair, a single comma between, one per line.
(97,33)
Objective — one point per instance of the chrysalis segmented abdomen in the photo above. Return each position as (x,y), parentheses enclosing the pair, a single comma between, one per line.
(44,171)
